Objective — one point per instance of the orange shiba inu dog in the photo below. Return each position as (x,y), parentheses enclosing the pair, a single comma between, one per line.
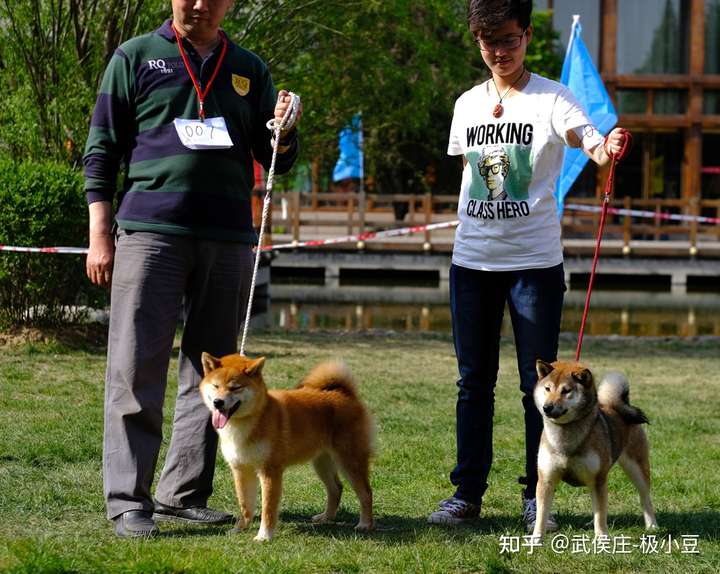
(586,430)
(262,432)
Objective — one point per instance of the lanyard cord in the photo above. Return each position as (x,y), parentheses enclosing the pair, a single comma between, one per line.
(288,119)
(201,93)
(609,185)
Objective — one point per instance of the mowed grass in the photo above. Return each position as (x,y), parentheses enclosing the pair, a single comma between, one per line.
(52,513)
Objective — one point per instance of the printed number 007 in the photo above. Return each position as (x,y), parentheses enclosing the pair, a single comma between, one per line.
(198,131)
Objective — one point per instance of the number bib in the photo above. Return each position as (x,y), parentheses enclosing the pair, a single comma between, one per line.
(210,134)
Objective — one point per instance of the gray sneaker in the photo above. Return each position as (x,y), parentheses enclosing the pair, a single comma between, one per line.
(453,511)
(529,515)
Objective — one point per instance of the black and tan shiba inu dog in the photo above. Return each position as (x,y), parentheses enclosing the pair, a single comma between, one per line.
(587,429)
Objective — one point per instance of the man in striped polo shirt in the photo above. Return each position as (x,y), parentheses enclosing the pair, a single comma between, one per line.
(183,111)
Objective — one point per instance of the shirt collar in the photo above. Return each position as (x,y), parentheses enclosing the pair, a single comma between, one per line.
(166,30)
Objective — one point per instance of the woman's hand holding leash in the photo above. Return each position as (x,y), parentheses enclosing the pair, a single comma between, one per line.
(617,144)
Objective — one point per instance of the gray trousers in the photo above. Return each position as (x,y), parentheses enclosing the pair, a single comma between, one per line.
(156,280)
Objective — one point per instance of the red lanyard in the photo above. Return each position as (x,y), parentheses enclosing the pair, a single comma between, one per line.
(201,93)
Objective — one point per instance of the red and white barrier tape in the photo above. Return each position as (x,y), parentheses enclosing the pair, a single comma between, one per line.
(293,245)
(368,235)
(363,236)
(645,214)
(73,250)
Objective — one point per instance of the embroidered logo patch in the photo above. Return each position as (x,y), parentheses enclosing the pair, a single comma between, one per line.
(241,84)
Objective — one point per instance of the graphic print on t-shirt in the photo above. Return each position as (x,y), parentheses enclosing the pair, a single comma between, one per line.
(499,157)
(500,172)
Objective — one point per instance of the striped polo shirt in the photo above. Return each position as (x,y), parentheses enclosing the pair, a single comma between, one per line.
(167,187)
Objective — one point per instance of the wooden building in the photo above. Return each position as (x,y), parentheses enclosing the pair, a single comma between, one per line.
(660,60)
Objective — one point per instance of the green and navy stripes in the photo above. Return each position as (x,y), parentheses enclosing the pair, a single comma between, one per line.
(167,187)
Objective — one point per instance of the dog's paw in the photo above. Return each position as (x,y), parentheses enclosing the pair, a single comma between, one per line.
(241,525)
(264,535)
(321,518)
(365,526)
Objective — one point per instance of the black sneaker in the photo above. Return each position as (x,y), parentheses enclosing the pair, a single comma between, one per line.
(454,511)
(192,515)
(135,524)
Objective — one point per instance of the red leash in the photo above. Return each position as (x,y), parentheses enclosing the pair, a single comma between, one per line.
(614,158)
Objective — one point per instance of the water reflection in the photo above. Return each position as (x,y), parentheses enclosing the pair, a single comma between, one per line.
(614,313)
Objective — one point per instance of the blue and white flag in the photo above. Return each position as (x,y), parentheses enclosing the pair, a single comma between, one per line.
(350,162)
(579,74)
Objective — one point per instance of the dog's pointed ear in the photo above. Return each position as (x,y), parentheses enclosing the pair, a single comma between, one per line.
(209,363)
(583,376)
(255,367)
(543,369)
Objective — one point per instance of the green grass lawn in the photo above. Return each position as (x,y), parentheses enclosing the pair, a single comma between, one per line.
(51,505)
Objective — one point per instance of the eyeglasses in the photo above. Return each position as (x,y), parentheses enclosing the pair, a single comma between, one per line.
(505,43)
(494,169)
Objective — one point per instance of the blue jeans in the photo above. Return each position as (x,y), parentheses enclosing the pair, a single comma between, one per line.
(477,304)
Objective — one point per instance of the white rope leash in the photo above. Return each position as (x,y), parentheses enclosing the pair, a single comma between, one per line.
(288,120)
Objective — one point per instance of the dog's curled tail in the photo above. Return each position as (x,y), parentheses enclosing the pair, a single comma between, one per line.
(331,376)
(614,392)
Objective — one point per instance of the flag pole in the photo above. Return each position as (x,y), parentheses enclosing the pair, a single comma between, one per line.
(575,24)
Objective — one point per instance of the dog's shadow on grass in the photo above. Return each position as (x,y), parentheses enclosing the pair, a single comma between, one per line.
(184,531)
(388,528)
(393,528)
(704,524)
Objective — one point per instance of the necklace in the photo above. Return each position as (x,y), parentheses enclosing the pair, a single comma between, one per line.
(498,109)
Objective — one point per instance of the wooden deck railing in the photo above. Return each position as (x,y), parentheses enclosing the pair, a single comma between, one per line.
(300,217)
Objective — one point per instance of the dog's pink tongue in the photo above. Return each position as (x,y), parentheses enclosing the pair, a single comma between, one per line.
(219,419)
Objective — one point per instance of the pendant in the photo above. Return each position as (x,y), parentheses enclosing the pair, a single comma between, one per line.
(498,110)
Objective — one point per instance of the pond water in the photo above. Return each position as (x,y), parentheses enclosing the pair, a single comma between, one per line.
(611,313)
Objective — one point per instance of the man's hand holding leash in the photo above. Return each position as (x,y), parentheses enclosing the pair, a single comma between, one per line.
(284,101)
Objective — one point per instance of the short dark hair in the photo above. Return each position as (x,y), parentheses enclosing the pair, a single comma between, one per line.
(488,15)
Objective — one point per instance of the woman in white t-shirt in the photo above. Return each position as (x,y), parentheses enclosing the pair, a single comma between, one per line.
(511,131)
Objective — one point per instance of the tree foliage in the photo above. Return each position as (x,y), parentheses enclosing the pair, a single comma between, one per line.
(53,54)
(401,63)
(42,204)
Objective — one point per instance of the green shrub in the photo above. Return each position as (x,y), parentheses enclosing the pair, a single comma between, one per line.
(42,205)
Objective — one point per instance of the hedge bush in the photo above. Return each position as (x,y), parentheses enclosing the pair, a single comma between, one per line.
(42,204)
